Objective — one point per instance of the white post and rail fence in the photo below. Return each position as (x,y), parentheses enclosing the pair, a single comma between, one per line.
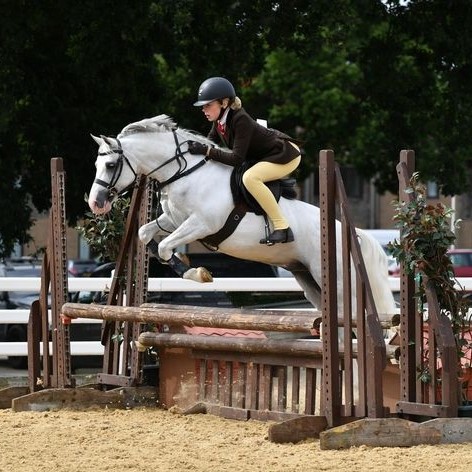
(96,284)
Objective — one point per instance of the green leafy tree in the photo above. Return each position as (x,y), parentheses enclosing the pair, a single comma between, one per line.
(364,77)
(66,69)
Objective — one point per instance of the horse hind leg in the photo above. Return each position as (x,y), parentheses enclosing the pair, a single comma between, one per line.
(309,286)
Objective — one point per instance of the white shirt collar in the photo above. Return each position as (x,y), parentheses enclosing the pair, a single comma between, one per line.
(222,121)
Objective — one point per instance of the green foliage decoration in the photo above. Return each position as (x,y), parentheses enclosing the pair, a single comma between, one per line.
(104,233)
(426,236)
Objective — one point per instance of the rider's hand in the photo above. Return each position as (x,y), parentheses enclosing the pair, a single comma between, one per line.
(197,148)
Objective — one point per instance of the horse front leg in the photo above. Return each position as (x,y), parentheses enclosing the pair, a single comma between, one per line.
(162,226)
(189,231)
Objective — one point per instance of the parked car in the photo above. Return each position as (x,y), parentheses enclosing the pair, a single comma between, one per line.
(21,267)
(220,265)
(81,267)
(462,262)
(21,300)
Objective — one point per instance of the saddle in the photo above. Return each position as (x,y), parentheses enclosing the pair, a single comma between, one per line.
(241,196)
(244,202)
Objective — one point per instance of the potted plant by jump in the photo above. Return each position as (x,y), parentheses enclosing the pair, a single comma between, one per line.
(426,237)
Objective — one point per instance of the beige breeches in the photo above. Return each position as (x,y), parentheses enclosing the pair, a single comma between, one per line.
(254,179)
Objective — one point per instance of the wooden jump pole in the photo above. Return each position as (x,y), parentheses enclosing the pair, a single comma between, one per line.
(286,347)
(267,320)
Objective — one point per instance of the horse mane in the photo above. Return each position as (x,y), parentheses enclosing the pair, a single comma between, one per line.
(159,124)
(156,124)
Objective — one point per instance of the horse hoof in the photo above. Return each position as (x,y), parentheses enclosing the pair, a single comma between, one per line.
(205,274)
(199,274)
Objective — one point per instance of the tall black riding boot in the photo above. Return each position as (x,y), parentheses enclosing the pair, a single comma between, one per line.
(279,236)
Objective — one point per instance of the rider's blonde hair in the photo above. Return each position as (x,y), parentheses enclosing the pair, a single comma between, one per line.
(236,103)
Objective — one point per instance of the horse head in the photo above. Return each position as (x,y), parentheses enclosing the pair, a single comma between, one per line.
(113,176)
(154,147)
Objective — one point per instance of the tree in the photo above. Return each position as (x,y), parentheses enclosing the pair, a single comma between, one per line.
(66,69)
(368,81)
(364,77)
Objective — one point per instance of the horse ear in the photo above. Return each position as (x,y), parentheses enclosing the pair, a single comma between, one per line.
(106,140)
(99,141)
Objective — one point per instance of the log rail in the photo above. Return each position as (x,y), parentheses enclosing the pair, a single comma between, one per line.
(163,314)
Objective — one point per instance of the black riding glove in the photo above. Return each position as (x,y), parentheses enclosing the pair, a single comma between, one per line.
(197,148)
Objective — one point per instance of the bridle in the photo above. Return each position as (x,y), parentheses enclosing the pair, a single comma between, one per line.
(118,169)
(179,157)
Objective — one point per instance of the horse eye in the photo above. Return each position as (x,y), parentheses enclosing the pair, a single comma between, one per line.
(110,165)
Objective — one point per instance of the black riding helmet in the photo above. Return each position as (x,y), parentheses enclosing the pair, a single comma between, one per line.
(214,88)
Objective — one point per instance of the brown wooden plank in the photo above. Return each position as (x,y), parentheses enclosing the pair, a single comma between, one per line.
(202,375)
(297,429)
(281,388)
(452,430)
(295,389)
(79,398)
(409,319)
(383,432)
(228,384)
(258,358)
(264,386)
(34,342)
(251,386)
(329,282)
(422,409)
(9,393)
(271,415)
(310,390)
(231,413)
(214,386)
(112,379)
(239,386)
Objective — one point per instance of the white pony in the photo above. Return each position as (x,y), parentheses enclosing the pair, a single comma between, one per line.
(196,200)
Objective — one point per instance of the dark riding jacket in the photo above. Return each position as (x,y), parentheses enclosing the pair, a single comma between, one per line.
(247,140)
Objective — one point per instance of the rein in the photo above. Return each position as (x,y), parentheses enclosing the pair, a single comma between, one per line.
(182,171)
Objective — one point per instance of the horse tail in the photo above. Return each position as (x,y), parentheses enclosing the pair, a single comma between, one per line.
(376,265)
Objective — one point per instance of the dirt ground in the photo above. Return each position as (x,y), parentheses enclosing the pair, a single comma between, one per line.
(158,440)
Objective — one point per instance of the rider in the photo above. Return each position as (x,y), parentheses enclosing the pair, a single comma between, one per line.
(272,153)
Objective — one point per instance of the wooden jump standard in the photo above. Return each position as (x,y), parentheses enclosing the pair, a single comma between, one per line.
(235,377)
